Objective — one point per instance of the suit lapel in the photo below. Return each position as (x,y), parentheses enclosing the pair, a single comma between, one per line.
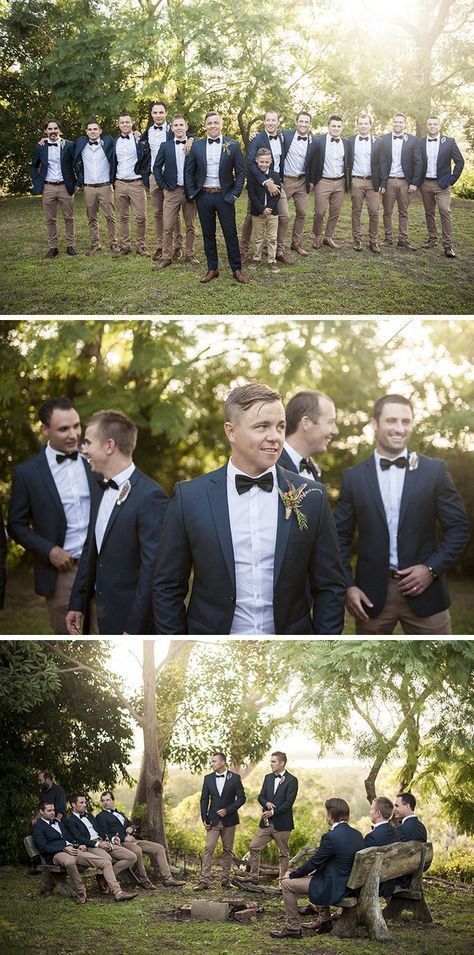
(411,478)
(118,507)
(283,530)
(217,496)
(45,473)
(374,487)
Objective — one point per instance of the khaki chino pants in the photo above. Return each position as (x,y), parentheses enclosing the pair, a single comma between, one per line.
(294,187)
(58,603)
(227,835)
(131,195)
(362,190)
(261,839)
(265,227)
(157,197)
(327,193)
(432,196)
(397,609)
(291,889)
(52,197)
(396,191)
(283,219)
(97,858)
(102,197)
(174,200)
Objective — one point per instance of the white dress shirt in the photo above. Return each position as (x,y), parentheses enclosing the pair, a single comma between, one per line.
(275,146)
(72,486)
(333,158)
(220,783)
(296,156)
(107,504)
(391,484)
(213,158)
(155,138)
(277,782)
(54,171)
(296,457)
(96,164)
(396,167)
(253,522)
(180,157)
(55,825)
(90,828)
(432,150)
(362,153)
(126,151)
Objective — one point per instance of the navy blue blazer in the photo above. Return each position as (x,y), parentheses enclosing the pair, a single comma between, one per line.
(47,840)
(288,137)
(429,496)
(448,152)
(316,157)
(286,462)
(376,145)
(412,828)
(164,168)
(142,165)
(410,159)
(120,577)
(196,533)
(3,561)
(233,797)
(39,166)
(259,196)
(382,835)
(78,832)
(107,146)
(231,169)
(333,863)
(262,139)
(36,518)
(109,825)
(283,800)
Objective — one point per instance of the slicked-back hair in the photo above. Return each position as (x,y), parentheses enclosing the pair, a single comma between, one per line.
(338,809)
(303,112)
(211,112)
(75,796)
(244,396)
(119,427)
(217,752)
(403,115)
(384,805)
(338,119)
(45,413)
(178,116)
(93,122)
(156,102)
(303,403)
(107,792)
(365,116)
(390,399)
(408,799)
(43,804)
(281,756)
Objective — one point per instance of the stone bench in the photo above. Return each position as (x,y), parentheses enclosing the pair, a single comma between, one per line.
(378,864)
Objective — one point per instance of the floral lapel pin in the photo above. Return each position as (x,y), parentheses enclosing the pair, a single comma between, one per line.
(124,492)
(226,146)
(443,139)
(292,499)
(412,461)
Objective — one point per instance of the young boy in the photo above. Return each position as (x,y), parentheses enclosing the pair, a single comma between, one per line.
(264,211)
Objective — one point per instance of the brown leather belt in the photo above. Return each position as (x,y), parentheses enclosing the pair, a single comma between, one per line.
(211,189)
(138,179)
(54,182)
(362,177)
(97,185)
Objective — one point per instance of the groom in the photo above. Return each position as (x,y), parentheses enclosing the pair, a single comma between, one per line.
(251,548)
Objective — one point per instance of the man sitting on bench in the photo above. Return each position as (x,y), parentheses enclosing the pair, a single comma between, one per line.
(52,842)
(324,876)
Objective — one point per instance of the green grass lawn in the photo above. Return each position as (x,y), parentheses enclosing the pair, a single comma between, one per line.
(327,282)
(26,613)
(38,925)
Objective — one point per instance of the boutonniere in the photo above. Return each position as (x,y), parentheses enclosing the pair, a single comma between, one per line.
(443,139)
(124,492)
(292,499)
(226,146)
(405,137)
(228,776)
(412,461)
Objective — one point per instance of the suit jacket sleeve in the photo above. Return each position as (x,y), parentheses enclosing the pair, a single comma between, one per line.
(345,518)
(78,598)
(418,165)
(453,519)
(34,170)
(458,159)
(254,191)
(370,839)
(291,794)
(75,833)
(172,570)
(46,846)
(326,576)
(239,167)
(19,518)
(150,519)
(158,166)
(235,805)
(204,804)
(190,173)
(262,796)
(322,855)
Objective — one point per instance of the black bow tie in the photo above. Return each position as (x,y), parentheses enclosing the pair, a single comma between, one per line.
(244,483)
(212,141)
(82,815)
(398,137)
(51,822)
(52,144)
(385,464)
(278,775)
(93,142)
(363,139)
(273,137)
(106,484)
(306,464)
(220,775)
(180,142)
(63,457)
(124,137)
(435,140)
(335,139)
(158,127)
(303,138)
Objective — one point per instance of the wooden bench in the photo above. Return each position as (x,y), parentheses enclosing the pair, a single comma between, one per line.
(379,864)
(53,877)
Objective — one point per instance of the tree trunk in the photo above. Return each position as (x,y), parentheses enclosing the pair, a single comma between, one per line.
(150,787)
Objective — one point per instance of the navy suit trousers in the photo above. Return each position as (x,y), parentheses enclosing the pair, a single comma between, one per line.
(211,205)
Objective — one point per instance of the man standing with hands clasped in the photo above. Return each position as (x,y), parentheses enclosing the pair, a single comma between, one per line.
(277,795)
(221,797)
(396,499)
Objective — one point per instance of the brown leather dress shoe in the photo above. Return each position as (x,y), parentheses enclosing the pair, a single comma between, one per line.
(328,241)
(374,247)
(287,933)
(162,264)
(299,249)
(192,260)
(146,884)
(177,255)
(142,251)
(52,253)
(226,884)
(70,250)
(357,245)
(172,882)
(403,244)
(450,253)
(201,887)
(283,257)
(80,899)
(317,242)
(211,274)
(239,277)
(101,884)
(157,255)
(430,244)
(124,896)
(324,927)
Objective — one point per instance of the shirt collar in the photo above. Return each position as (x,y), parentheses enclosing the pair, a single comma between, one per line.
(340,823)
(295,455)
(412,816)
(382,823)
(232,471)
(123,476)
(392,457)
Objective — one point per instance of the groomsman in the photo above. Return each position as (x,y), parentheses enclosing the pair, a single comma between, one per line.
(81,827)
(410,826)
(270,138)
(277,795)
(438,152)
(328,172)
(158,132)
(131,164)
(214,177)
(253,535)
(297,148)
(310,426)
(93,163)
(49,507)
(112,590)
(168,171)
(400,176)
(383,833)
(221,797)
(53,178)
(395,500)
(364,177)
(324,876)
